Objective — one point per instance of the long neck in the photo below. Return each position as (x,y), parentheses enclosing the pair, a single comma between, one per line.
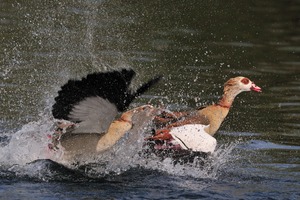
(116,130)
(228,98)
(216,113)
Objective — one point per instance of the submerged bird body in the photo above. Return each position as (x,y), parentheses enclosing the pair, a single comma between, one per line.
(93,103)
(77,145)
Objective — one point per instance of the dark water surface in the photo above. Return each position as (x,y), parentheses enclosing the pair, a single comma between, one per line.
(196,46)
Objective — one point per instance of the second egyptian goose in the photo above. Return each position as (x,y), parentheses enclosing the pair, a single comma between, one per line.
(194,130)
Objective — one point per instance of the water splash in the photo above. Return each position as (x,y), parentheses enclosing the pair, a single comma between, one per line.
(30,144)
(199,168)
(27,144)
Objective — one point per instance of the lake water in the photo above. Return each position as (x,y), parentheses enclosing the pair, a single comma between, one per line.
(196,46)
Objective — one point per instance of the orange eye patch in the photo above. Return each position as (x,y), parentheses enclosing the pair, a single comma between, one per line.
(245,81)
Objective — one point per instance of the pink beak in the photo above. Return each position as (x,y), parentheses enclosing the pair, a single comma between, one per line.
(255,88)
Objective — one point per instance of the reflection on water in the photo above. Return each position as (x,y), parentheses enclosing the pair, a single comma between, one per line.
(196,45)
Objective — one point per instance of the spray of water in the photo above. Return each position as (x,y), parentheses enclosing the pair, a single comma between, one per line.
(30,143)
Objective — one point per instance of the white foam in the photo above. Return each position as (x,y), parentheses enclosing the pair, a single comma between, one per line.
(28,144)
(31,143)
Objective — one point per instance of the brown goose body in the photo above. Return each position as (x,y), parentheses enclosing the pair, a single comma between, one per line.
(211,117)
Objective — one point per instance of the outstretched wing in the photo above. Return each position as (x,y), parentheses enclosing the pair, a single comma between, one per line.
(94,101)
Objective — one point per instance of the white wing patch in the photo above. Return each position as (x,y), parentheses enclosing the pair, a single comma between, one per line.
(95,113)
(193,136)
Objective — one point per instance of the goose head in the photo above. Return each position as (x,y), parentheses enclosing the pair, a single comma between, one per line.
(239,84)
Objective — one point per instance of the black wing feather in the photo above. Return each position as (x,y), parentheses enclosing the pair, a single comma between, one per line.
(113,86)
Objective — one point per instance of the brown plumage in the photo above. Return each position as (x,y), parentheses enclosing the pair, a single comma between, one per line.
(215,114)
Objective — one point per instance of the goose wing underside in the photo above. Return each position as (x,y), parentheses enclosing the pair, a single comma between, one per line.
(94,114)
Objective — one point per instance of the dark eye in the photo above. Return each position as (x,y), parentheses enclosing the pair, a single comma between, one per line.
(245,81)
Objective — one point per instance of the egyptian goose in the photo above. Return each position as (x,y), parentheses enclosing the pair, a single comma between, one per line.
(194,130)
(87,111)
